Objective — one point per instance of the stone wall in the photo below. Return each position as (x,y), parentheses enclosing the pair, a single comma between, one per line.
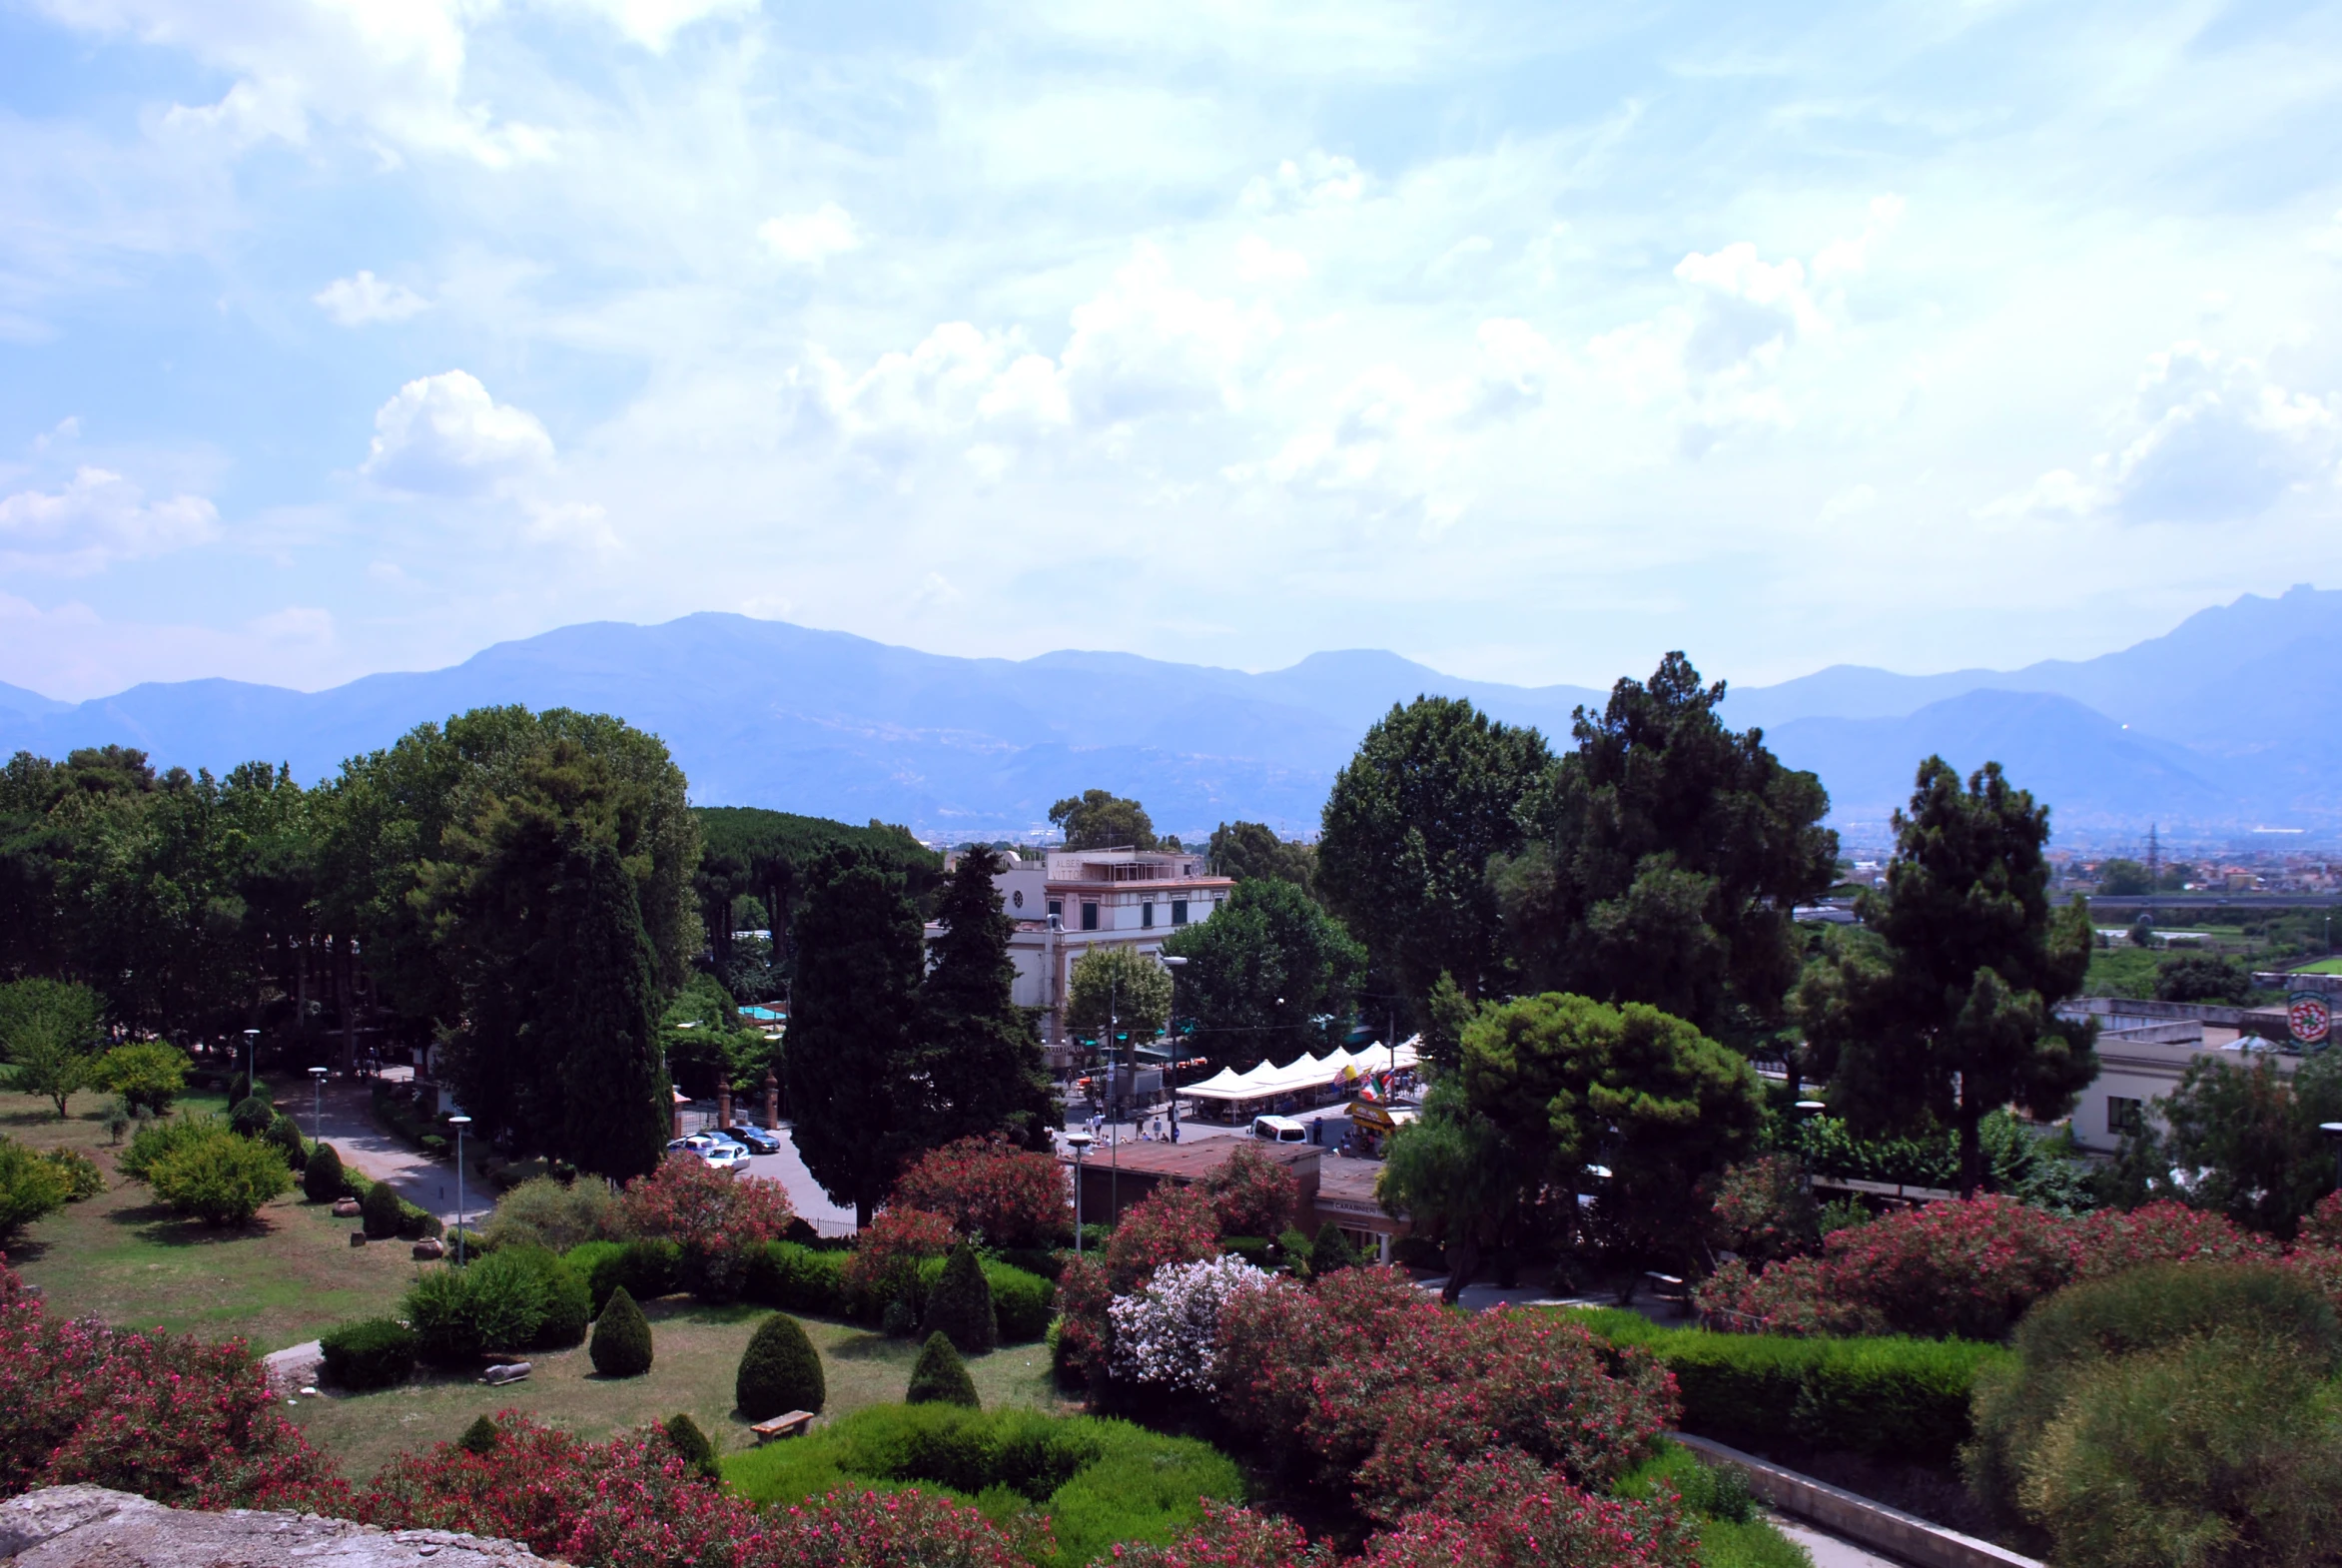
(84,1526)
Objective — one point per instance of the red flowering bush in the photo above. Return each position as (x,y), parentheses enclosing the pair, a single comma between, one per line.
(2323,1227)
(993,1192)
(718,1217)
(1231,1538)
(2112,1240)
(884,1265)
(1368,1383)
(1765,1210)
(1505,1511)
(1172,1225)
(1252,1195)
(169,1417)
(636,1502)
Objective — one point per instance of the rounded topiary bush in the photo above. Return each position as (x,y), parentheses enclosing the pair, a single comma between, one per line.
(621,1338)
(321,1179)
(1329,1252)
(381,1212)
(373,1352)
(940,1377)
(960,1305)
(285,1132)
(481,1437)
(252,1117)
(688,1440)
(780,1372)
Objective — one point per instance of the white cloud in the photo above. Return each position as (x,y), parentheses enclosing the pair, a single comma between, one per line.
(810,238)
(98,519)
(1257,260)
(1314,180)
(296,623)
(654,23)
(445,435)
(360,299)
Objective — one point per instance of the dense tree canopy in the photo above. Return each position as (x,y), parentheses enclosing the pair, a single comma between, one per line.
(1664,856)
(765,856)
(1245,850)
(1271,975)
(1412,822)
(984,1071)
(1950,1012)
(1119,992)
(1095,819)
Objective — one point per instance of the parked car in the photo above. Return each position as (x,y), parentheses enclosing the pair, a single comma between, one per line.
(757,1139)
(726,1156)
(1280,1130)
(696,1143)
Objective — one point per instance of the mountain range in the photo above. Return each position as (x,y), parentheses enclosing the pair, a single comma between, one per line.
(2219,726)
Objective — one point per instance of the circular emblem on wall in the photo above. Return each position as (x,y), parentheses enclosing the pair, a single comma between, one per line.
(2309,1017)
(1017,896)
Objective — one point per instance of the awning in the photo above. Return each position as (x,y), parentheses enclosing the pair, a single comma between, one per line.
(1266,1081)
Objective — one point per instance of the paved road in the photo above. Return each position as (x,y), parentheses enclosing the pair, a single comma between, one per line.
(348,1124)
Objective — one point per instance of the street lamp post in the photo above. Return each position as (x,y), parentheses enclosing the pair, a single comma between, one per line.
(317,1105)
(252,1043)
(1172,1067)
(460,1123)
(1079,1143)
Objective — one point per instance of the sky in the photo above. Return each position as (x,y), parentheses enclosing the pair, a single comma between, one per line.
(1528,341)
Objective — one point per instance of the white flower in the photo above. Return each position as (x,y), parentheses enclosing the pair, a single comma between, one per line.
(1168,1333)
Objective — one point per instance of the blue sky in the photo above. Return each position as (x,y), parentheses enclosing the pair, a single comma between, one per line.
(349,335)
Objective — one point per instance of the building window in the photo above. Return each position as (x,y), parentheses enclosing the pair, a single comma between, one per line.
(1089,916)
(1146,915)
(1057,908)
(2124,1116)
(1179,912)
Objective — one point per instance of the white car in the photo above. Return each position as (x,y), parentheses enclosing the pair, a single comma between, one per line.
(725,1156)
(1280,1130)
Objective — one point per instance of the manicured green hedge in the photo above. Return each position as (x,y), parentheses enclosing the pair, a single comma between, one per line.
(412,1224)
(373,1352)
(1100,1481)
(797,1278)
(1021,1302)
(1891,1399)
(648,1270)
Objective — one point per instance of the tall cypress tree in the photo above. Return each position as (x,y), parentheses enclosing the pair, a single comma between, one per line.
(981,1052)
(849,1057)
(601,1021)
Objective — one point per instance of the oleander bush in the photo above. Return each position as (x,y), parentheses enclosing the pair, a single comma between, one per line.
(1896,1398)
(883,1269)
(621,1343)
(1505,1511)
(780,1372)
(717,1218)
(1251,1193)
(372,1352)
(1170,1225)
(991,1194)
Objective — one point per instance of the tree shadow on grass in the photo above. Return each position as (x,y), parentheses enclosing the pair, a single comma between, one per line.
(865,1345)
(157,1225)
(39,1117)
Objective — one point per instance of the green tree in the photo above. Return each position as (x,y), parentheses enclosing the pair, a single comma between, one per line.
(1117,992)
(1573,1083)
(1409,829)
(1271,974)
(1244,850)
(1460,1182)
(1095,819)
(602,1021)
(2120,878)
(1664,857)
(780,1372)
(149,1075)
(221,1179)
(1445,1013)
(1950,1014)
(850,1056)
(621,1344)
(2248,1137)
(30,1188)
(2199,976)
(48,1033)
(983,1067)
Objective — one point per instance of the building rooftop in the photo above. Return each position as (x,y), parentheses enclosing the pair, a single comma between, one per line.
(1196,1158)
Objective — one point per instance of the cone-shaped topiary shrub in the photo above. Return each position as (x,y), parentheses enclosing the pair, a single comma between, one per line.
(690,1441)
(285,1132)
(481,1437)
(1331,1251)
(381,1212)
(252,1117)
(940,1377)
(621,1338)
(960,1305)
(780,1372)
(321,1179)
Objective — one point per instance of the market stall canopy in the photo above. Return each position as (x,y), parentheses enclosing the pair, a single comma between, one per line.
(1267,1080)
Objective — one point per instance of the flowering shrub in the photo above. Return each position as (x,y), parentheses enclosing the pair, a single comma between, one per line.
(1251,1193)
(1764,1209)
(2323,1225)
(1367,1382)
(636,1502)
(1170,1225)
(719,1218)
(172,1418)
(1231,1538)
(885,1263)
(1505,1511)
(2111,1241)
(1168,1333)
(992,1191)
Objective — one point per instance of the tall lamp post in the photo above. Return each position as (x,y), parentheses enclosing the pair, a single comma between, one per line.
(460,1123)
(317,1105)
(251,1045)
(1080,1144)
(1175,964)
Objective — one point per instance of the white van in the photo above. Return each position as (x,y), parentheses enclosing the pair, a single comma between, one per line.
(1280,1130)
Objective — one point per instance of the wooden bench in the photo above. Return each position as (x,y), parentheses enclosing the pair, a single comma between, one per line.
(791,1425)
(1670,1288)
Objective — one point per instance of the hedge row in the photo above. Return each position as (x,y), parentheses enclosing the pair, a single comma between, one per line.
(1891,1399)
(811,1282)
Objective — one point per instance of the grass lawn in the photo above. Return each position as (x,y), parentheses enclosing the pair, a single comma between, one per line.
(696,1356)
(125,1259)
(2324,966)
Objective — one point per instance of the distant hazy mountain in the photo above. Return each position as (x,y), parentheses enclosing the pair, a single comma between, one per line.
(2224,722)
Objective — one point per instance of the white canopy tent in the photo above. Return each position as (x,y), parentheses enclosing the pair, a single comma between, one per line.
(1268,1082)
